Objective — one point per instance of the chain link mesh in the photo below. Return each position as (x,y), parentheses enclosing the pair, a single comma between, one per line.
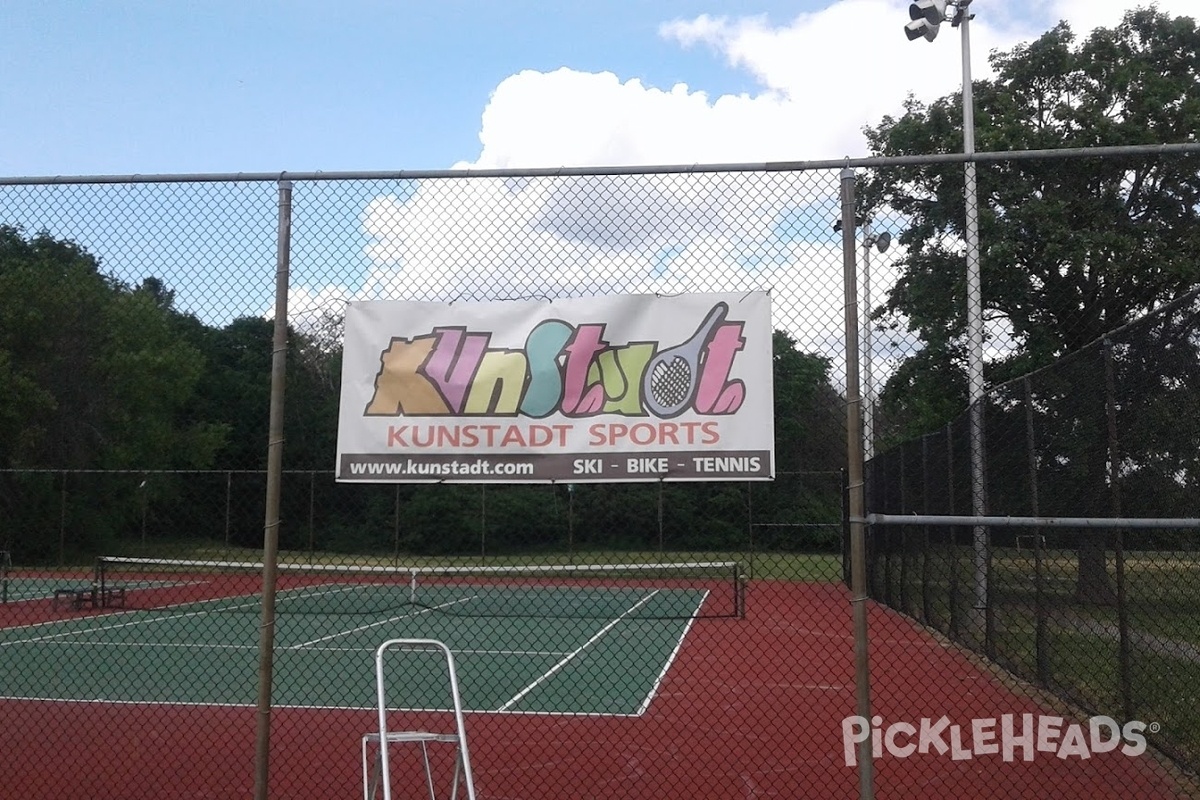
(136,344)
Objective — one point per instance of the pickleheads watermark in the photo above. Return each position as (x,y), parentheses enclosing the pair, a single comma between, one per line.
(1009,736)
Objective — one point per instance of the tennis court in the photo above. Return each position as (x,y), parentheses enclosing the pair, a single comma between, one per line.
(648,690)
(206,651)
(19,590)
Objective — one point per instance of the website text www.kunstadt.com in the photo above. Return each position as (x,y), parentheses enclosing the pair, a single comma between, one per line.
(441,468)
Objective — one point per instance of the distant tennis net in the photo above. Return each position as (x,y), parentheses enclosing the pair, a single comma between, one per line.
(5,568)
(642,590)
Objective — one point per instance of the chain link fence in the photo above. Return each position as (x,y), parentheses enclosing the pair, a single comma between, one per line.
(627,641)
(1091,572)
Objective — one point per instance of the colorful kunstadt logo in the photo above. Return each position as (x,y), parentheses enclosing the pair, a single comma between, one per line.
(565,369)
(612,388)
(1009,736)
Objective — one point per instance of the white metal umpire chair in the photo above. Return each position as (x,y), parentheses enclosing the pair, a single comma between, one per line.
(376,772)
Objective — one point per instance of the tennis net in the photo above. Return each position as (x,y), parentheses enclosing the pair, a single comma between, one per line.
(639,590)
(5,568)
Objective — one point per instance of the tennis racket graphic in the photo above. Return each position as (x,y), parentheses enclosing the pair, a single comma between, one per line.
(672,377)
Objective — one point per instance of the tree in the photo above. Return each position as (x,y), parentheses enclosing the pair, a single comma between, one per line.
(810,429)
(1070,249)
(810,449)
(94,376)
(97,377)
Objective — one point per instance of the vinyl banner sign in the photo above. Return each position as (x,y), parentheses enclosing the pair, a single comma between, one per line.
(621,388)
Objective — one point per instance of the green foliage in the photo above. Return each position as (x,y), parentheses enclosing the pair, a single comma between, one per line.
(1070,249)
(809,419)
(102,380)
(96,377)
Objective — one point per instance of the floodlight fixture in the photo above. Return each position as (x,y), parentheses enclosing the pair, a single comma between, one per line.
(926,16)
(871,241)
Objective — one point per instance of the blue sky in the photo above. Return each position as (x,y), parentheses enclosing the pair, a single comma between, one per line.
(166,86)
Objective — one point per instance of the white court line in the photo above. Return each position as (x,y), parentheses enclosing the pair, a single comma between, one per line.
(131,624)
(577,651)
(277,706)
(470,652)
(152,619)
(156,645)
(254,647)
(506,708)
(464,652)
(671,659)
(382,622)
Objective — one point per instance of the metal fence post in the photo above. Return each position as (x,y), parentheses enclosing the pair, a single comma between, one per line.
(854,460)
(905,595)
(483,523)
(62,522)
(396,526)
(1040,643)
(926,570)
(266,645)
(1114,487)
(954,630)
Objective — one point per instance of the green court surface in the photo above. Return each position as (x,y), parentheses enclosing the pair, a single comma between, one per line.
(208,652)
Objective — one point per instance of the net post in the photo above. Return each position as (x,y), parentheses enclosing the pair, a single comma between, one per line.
(739,590)
(98,575)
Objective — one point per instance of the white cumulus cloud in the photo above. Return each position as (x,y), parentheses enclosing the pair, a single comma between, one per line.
(822,78)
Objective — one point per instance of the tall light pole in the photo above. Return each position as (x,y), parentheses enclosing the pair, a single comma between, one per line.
(925,16)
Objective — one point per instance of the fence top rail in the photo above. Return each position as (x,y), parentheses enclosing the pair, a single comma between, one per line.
(1032,522)
(1178,148)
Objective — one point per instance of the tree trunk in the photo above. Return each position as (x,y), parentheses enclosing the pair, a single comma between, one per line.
(1092,584)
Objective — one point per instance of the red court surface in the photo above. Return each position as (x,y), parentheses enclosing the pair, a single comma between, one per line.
(751,708)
